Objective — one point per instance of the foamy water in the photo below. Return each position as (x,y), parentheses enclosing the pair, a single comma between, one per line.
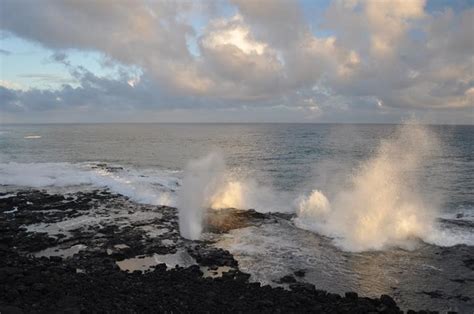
(150,186)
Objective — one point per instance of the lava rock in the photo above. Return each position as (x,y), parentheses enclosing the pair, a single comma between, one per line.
(300,273)
(303,287)
(287,279)
(388,301)
(352,296)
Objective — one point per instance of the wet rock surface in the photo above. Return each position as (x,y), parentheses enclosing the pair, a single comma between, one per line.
(61,253)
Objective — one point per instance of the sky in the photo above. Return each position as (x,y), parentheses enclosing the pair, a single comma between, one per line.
(354,61)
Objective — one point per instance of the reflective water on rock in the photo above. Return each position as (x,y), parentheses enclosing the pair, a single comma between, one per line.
(143,263)
(214,272)
(59,251)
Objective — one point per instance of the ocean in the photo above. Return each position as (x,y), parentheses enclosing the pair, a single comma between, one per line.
(376,209)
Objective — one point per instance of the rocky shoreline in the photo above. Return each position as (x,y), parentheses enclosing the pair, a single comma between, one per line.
(94,251)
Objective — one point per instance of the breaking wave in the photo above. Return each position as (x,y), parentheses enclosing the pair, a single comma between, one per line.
(148,186)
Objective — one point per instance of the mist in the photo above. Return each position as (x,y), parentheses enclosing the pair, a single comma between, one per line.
(209,185)
(382,203)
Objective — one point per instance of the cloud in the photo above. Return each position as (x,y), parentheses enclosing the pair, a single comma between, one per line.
(10,85)
(240,66)
(279,22)
(407,57)
(388,21)
(48,78)
(233,33)
(377,58)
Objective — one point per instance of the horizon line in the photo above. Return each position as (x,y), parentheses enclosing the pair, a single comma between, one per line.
(230,123)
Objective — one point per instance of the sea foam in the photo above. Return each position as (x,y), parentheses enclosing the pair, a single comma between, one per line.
(149,186)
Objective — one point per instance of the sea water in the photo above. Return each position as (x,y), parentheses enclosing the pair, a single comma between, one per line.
(377,208)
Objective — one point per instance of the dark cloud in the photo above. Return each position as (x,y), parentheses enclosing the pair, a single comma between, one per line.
(60,57)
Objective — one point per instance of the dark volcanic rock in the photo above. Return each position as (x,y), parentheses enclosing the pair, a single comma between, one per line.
(90,280)
(177,290)
(352,295)
(209,256)
(469,263)
(387,300)
(302,286)
(220,221)
(300,273)
(287,279)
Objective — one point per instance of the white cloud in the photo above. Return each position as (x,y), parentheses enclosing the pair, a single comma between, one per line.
(237,35)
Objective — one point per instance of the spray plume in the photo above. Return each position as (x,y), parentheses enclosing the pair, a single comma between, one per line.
(202,179)
(383,205)
(208,185)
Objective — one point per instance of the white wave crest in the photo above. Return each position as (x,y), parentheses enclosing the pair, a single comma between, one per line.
(148,186)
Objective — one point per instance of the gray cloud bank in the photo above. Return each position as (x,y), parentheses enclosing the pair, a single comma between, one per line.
(380,61)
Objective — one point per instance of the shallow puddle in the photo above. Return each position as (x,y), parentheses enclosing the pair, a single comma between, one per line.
(143,263)
(168,242)
(121,246)
(214,273)
(63,252)
(116,248)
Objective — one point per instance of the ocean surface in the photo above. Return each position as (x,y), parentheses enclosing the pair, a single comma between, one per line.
(378,208)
